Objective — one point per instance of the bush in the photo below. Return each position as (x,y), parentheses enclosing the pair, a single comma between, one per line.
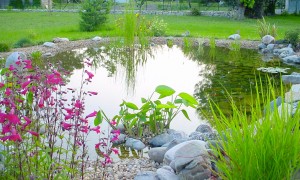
(265,28)
(17,4)
(4,47)
(292,37)
(24,42)
(93,14)
(158,27)
(195,12)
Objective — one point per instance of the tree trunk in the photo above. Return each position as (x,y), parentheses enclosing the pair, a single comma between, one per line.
(257,11)
(240,12)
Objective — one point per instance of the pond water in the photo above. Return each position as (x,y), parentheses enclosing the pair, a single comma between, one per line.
(122,74)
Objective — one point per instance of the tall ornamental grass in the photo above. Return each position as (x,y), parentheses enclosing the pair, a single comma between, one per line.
(262,145)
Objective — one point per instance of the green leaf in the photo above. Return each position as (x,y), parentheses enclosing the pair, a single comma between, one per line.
(178,101)
(131,105)
(30,98)
(185,114)
(188,98)
(143,100)
(98,119)
(145,107)
(133,123)
(143,118)
(164,91)
(157,102)
(166,106)
(3,71)
(128,116)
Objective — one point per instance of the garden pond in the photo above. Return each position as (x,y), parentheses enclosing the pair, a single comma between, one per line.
(207,73)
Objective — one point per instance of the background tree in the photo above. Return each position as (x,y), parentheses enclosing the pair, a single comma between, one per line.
(240,6)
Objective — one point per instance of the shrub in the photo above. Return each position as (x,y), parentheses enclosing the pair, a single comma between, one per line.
(4,47)
(259,145)
(93,14)
(195,12)
(158,27)
(24,42)
(265,28)
(36,3)
(17,4)
(292,37)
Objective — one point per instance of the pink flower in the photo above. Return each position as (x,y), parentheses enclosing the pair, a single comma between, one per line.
(115,138)
(68,116)
(28,121)
(8,91)
(84,129)
(15,137)
(84,120)
(25,84)
(41,102)
(91,75)
(2,117)
(116,132)
(96,129)
(11,68)
(66,126)
(115,150)
(33,133)
(1,85)
(97,145)
(78,104)
(5,129)
(14,119)
(92,93)
(113,122)
(69,110)
(93,114)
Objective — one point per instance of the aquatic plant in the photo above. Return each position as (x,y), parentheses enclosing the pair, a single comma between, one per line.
(44,126)
(259,145)
(154,115)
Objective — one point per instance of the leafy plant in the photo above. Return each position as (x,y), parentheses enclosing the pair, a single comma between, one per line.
(4,47)
(170,43)
(265,28)
(293,36)
(195,12)
(258,145)
(36,56)
(24,42)
(158,27)
(17,4)
(94,14)
(154,115)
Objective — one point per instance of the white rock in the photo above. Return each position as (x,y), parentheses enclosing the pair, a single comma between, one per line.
(97,38)
(234,37)
(49,44)
(13,58)
(268,39)
(58,40)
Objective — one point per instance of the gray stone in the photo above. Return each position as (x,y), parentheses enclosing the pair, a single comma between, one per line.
(160,140)
(121,139)
(292,96)
(198,169)
(186,34)
(58,40)
(293,79)
(121,127)
(174,142)
(204,128)
(146,175)
(270,47)
(202,136)
(13,58)
(97,38)
(285,52)
(278,102)
(182,154)
(286,110)
(166,173)
(262,46)
(134,144)
(295,88)
(157,154)
(177,134)
(234,37)
(291,59)
(268,39)
(265,51)
(48,54)
(49,44)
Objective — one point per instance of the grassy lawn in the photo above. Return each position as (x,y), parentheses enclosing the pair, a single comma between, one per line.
(43,26)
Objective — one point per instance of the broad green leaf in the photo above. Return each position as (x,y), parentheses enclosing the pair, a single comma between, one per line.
(185,114)
(3,71)
(145,107)
(165,106)
(143,100)
(128,116)
(157,102)
(133,123)
(164,91)
(99,118)
(188,98)
(143,118)
(131,105)
(30,98)
(178,101)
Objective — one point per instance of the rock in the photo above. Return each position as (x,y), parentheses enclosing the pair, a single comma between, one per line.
(182,154)
(157,154)
(48,54)
(58,40)
(295,88)
(121,127)
(160,140)
(281,41)
(134,144)
(278,102)
(268,39)
(121,139)
(293,79)
(234,37)
(202,136)
(262,46)
(97,38)
(146,175)
(186,34)
(174,142)
(204,128)
(286,110)
(196,170)
(177,134)
(49,44)
(285,52)
(265,51)
(13,58)
(166,173)
(270,47)
(292,59)
(292,96)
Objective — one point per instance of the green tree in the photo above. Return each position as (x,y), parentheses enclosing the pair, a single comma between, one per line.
(17,4)
(240,6)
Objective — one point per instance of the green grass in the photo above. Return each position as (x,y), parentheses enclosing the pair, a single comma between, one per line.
(43,26)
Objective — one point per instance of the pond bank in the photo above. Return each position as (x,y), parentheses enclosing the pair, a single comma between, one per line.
(70,45)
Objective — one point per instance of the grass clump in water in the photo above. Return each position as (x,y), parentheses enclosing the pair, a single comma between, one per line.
(262,145)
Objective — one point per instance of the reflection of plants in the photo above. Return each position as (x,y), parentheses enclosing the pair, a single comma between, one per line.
(262,146)
(212,51)
(170,43)
(154,115)
(235,45)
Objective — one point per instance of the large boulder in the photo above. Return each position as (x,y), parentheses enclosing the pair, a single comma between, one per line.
(13,58)
(294,78)
(292,59)
(160,140)
(196,170)
(135,144)
(262,46)
(166,173)
(204,128)
(157,154)
(285,52)
(146,175)
(234,37)
(97,38)
(121,139)
(268,39)
(49,44)
(202,136)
